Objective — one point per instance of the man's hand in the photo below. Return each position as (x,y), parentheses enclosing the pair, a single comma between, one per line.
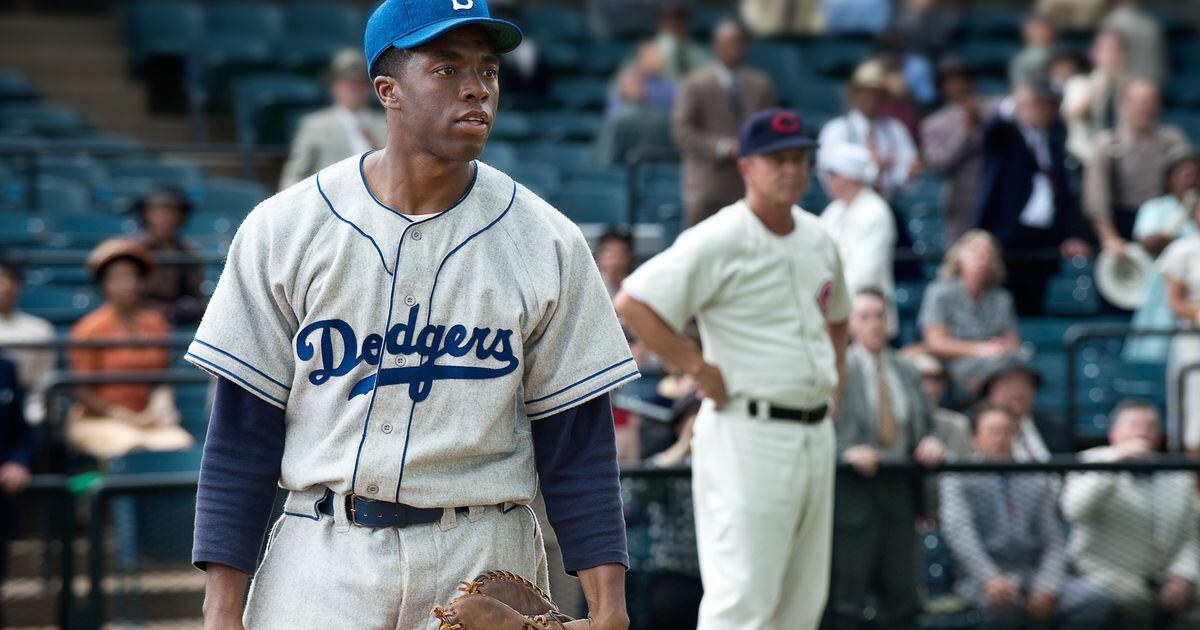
(14,477)
(604,590)
(231,620)
(223,594)
(1133,448)
(863,459)
(929,451)
(712,385)
(1040,607)
(1074,248)
(1175,595)
(1116,246)
(1000,593)
(993,349)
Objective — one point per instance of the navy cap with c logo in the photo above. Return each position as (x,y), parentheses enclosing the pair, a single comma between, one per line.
(773,130)
(410,23)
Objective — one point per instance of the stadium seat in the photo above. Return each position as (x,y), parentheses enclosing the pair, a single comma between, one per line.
(14,87)
(262,103)
(553,23)
(784,62)
(307,55)
(567,125)
(587,203)
(56,195)
(569,157)
(988,57)
(500,154)
(20,229)
(511,126)
(258,20)
(1183,92)
(155,525)
(323,20)
(544,180)
(162,27)
(86,230)
(83,169)
(1188,121)
(837,57)
(560,59)
(1071,296)
(706,18)
(1184,52)
(59,304)
(658,201)
(210,227)
(615,177)
(603,58)
(50,121)
(908,298)
(223,59)
(185,176)
(229,198)
(580,93)
(991,23)
(1045,334)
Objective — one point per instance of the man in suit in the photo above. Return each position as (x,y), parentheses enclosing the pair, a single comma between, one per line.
(709,110)
(1024,198)
(1007,542)
(883,416)
(1136,534)
(16,457)
(347,127)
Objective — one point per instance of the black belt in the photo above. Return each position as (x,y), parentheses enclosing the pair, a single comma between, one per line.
(805,416)
(369,513)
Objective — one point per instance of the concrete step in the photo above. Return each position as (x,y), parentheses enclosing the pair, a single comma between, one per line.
(43,63)
(17,29)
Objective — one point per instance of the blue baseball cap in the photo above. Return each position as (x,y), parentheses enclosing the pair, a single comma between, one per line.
(409,23)
(773,130)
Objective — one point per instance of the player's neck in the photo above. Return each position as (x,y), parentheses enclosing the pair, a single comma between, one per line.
(417,183)
(775,217)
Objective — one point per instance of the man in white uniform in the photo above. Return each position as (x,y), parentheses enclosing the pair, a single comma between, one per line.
(765,282)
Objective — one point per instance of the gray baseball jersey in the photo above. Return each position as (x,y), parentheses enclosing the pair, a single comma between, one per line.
(410,357)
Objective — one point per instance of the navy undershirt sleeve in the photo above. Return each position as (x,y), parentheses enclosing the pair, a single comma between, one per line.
(238,478)
(576,456)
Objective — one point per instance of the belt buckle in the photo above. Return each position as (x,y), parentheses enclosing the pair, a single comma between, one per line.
(351,513)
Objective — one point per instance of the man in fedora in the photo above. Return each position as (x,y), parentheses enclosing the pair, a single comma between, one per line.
(347,127)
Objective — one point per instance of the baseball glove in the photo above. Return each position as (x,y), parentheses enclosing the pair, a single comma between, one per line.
(499,600)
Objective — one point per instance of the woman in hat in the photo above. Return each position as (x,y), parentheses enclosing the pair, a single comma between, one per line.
(172,290)
(1159,222)
(1180,265)
(114,419)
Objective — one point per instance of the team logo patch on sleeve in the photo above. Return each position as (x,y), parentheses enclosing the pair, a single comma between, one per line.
(823,296)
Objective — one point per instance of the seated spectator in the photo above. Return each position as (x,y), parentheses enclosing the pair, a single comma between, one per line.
(17,326)
(967,318)
(681,56)
(1128,164)
(1091,102)
(675,589)
(1159,222)
(16,458)
(347,127)
(657,91)
(951,427)
(856,16)
(172,290)
(635,127)
(1024,197)
(772,18)
(1144,36)
(111,420)
(952,144)
(614,256)
(859,220)
(1135,533)
(864,125)
(883,416)
(1013,385)
(1180,265)
(711,106)
(1007,542)
(1033,59)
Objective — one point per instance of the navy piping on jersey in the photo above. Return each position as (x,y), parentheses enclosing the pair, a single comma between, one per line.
(363,177)
(235,358)
(579,382)
(315,510)
(235,377)
(429,314)
(351,224)
(585,396)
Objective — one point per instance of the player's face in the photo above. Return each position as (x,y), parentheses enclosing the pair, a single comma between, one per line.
(780,177)
(994,434)
(447,94)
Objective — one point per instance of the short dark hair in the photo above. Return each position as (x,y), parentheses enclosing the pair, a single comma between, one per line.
(985,408)
(615,236)
(390,62)
(12,270)
(874,292)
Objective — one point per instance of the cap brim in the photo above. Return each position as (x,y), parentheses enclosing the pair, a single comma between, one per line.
(797,142)
(506,35)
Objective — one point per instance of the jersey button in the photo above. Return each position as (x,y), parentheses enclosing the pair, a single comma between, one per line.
(409,300)
(416,235)
(401,361)
(387,428)
(372,489)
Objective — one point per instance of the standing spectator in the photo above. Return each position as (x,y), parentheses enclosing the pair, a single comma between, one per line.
(952,144)
(856,16)
(859,220)
(1180,265)
(657,91)
(951,427)
(889,142)
(1128,164)
(1091,102)
(16,459)
(172,290)
(763,449)
(772,18)
(1024,198)
(1144,36)
(17,326)
(347,127)
(967,318)
(635,126)
(1004,533)
(680,54)
(1013,385)
(111,420)
(1032,61)
(614,256)
(1159,222)
(711,105)
(883,417)
(1135,534)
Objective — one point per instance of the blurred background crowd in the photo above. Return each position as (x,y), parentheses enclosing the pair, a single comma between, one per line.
(1012,187)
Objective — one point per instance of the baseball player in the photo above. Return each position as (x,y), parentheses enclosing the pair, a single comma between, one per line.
(764,280)
(408,342)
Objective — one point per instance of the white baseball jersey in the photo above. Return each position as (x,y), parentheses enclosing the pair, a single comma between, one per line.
(410,357)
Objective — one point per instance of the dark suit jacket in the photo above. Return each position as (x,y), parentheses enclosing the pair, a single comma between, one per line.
(16,441)
(1009,167)
(703,116)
